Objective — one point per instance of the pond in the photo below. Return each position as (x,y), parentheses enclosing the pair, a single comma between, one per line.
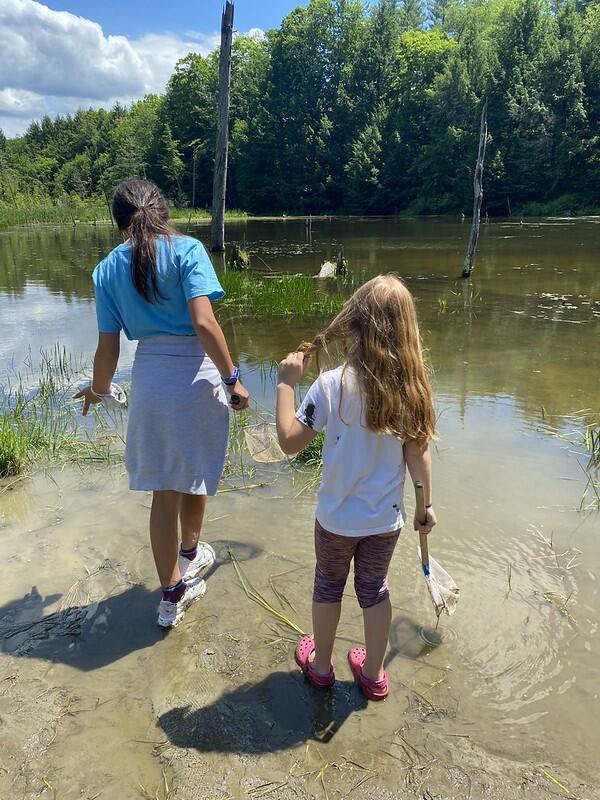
(499,701)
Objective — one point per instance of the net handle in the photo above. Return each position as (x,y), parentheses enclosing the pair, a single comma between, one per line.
(421,514)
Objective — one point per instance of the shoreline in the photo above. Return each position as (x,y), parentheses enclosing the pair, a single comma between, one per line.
(243,217)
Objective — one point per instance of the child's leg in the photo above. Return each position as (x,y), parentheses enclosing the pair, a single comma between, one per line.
(334,554)
(377,621)
(371,563)
(326,617)
(164,536)
(191,515)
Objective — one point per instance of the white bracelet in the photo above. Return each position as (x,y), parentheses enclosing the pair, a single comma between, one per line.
(99,396)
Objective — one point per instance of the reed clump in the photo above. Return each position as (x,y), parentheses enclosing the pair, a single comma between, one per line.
(586,440)
(312,455)
(280,295)
(39,422)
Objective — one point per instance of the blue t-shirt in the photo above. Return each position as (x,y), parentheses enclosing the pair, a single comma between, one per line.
(184,271)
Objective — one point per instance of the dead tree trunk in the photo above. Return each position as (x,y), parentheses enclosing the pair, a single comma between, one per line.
(222,146)
(478,195)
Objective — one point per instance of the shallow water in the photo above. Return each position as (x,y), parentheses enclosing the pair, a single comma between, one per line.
(505,687)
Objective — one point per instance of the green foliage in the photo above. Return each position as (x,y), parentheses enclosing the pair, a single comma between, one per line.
(366,107)
(312,455)
(14,448)
(282,295)
(39,424)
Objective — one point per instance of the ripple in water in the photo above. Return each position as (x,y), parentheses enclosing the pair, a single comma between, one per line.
(437,636)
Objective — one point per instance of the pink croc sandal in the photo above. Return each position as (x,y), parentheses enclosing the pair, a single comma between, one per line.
(372,690)
(304,650)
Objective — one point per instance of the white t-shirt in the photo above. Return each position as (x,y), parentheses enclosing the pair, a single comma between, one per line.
(362,487)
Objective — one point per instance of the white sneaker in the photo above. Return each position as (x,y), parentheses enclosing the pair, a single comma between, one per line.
(205,558)
(171,614)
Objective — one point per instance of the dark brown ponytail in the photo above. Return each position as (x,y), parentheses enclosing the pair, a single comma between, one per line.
(141,211)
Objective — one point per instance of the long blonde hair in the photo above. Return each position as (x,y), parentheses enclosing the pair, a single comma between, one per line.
(378,334)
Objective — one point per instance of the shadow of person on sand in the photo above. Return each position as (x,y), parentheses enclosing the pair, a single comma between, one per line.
(242,551)
(87,636)
(91,634)
(275,714)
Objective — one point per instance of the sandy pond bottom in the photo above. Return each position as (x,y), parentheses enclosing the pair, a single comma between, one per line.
(95,701)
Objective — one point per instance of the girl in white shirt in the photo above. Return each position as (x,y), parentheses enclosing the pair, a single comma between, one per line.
(378,416)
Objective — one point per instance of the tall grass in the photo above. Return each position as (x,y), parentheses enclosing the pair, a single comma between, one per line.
(282,295)
(14,448)
(71,210)
(586,440)
(39,423)
(67,211)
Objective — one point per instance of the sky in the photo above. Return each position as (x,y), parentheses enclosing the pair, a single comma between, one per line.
(56,57)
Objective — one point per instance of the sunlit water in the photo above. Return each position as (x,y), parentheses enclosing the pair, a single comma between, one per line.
(511,680)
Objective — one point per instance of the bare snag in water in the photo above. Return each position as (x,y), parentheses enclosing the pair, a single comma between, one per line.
(222,146)
(477,194)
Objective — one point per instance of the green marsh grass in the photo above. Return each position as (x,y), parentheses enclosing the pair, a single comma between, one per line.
(310,463)
(256,597)
(67,211)
(586,441)
(312,455)
(14,449)
(72,210)
(281,295)
(40,424)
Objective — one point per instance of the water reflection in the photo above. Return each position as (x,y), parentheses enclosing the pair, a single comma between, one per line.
(526,327)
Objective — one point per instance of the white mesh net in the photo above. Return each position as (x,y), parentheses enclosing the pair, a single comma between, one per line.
(442,589)
(261,440)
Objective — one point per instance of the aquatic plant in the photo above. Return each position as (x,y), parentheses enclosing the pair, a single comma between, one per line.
(256,597)
(278,295)
(14,449)
(39,423)
(592,445)
(240,258)
(73,210)
(586,440)
(312,455)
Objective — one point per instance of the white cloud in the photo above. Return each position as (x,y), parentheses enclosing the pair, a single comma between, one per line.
(19,103)
(256,33)
(54,62)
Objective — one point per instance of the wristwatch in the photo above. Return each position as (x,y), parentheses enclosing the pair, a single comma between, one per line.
(235,376)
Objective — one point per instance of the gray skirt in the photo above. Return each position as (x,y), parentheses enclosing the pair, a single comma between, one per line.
(178,418)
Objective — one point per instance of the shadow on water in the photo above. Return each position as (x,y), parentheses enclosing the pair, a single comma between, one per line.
(275,714)
(86,637)
(411,641)
(243,551)
(92,634)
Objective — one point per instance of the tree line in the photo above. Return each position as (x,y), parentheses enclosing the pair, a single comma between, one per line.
(363,109)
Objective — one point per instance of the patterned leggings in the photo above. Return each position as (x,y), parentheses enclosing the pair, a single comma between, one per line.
(372,556)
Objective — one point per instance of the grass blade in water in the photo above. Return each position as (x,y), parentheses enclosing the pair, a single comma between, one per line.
(257,598)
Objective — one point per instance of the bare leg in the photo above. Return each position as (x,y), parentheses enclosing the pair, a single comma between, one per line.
(191,515)
(326,617)
(164,537)
(377,621)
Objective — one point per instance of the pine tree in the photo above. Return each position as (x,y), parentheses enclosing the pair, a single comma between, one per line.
(437,11)
(167,164)
(364,167)
(412,15)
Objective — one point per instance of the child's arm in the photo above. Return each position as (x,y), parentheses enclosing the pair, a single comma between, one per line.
(292,434)
(105,366)
(418,461)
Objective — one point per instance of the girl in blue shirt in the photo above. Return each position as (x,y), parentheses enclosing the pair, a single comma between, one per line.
(157,287)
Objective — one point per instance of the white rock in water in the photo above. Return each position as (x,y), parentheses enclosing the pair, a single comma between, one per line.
(327,270)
